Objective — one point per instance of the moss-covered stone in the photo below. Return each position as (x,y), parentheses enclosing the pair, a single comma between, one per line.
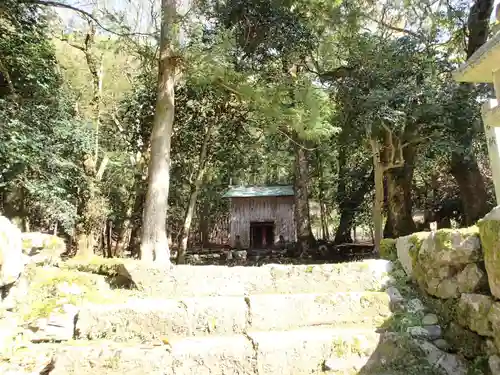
(37,240)
(441,255)
(407,248)
(463,341)
(51,287)
(473,312)
(472,279)
(388,249)
(97,265)
(452,247)
(489,232)
(494,319)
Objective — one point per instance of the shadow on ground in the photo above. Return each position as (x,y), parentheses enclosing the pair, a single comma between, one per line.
(260,257)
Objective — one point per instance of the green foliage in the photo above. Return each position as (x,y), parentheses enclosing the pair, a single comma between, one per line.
(41,141)
(388,249)
(263,76)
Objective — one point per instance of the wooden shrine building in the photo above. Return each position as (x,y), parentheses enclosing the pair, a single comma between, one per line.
(259,215)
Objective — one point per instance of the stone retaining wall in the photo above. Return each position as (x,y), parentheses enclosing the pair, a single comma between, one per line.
(458,273)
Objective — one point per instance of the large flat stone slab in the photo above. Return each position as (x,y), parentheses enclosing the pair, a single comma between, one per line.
(304,351)
(286,311)
(195,356)
(105,359)
(230,281)
(297,352)
(147,319)
(214,356)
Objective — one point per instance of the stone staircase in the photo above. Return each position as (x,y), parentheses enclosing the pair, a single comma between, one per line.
(272,320)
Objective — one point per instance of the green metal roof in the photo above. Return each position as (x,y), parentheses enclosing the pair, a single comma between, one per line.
(259,191)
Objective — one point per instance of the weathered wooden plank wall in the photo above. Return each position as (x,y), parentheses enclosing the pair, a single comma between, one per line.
(276,209)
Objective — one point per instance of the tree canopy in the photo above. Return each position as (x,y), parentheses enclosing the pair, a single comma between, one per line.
(351,102)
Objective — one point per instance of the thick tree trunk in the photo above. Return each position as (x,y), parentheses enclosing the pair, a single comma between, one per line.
(472,188)
(305,238)
(464,166)
(399,203)
(195,191)
(154,244)
(348,208)
(478,24)
(89,228)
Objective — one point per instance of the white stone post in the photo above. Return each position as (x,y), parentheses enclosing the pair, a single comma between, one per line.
(492,132)
(496,84)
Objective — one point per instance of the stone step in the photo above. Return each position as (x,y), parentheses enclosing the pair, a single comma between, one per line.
(369,275)
(297,352)
(198,316)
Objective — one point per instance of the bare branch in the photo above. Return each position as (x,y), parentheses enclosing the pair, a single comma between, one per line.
(102,167)
(294,142)
(56,4)
(72,44)
(232,90)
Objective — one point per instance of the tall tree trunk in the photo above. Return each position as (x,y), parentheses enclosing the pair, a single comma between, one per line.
(154,244)
(348,208)
(123,234)
(136,222)
(378,203)
(324,220)
(386,157)
(322,204)
(343,233)
(133,210)
(464,167)
(305,238)
(472,188)
(92,203)
(204,224)
(399,203)
(195,191)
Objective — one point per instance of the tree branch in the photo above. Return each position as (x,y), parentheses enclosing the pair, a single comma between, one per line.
(74,45)
(395,28)
(56,4)
(330,75)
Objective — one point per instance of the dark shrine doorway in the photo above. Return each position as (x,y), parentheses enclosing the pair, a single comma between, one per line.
(261,234)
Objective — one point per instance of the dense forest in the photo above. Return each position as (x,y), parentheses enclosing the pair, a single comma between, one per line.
(122,123)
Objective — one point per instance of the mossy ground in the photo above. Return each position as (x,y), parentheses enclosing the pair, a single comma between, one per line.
(51,287)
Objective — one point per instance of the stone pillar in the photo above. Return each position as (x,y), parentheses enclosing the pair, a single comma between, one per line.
(492,132)
(496,83)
